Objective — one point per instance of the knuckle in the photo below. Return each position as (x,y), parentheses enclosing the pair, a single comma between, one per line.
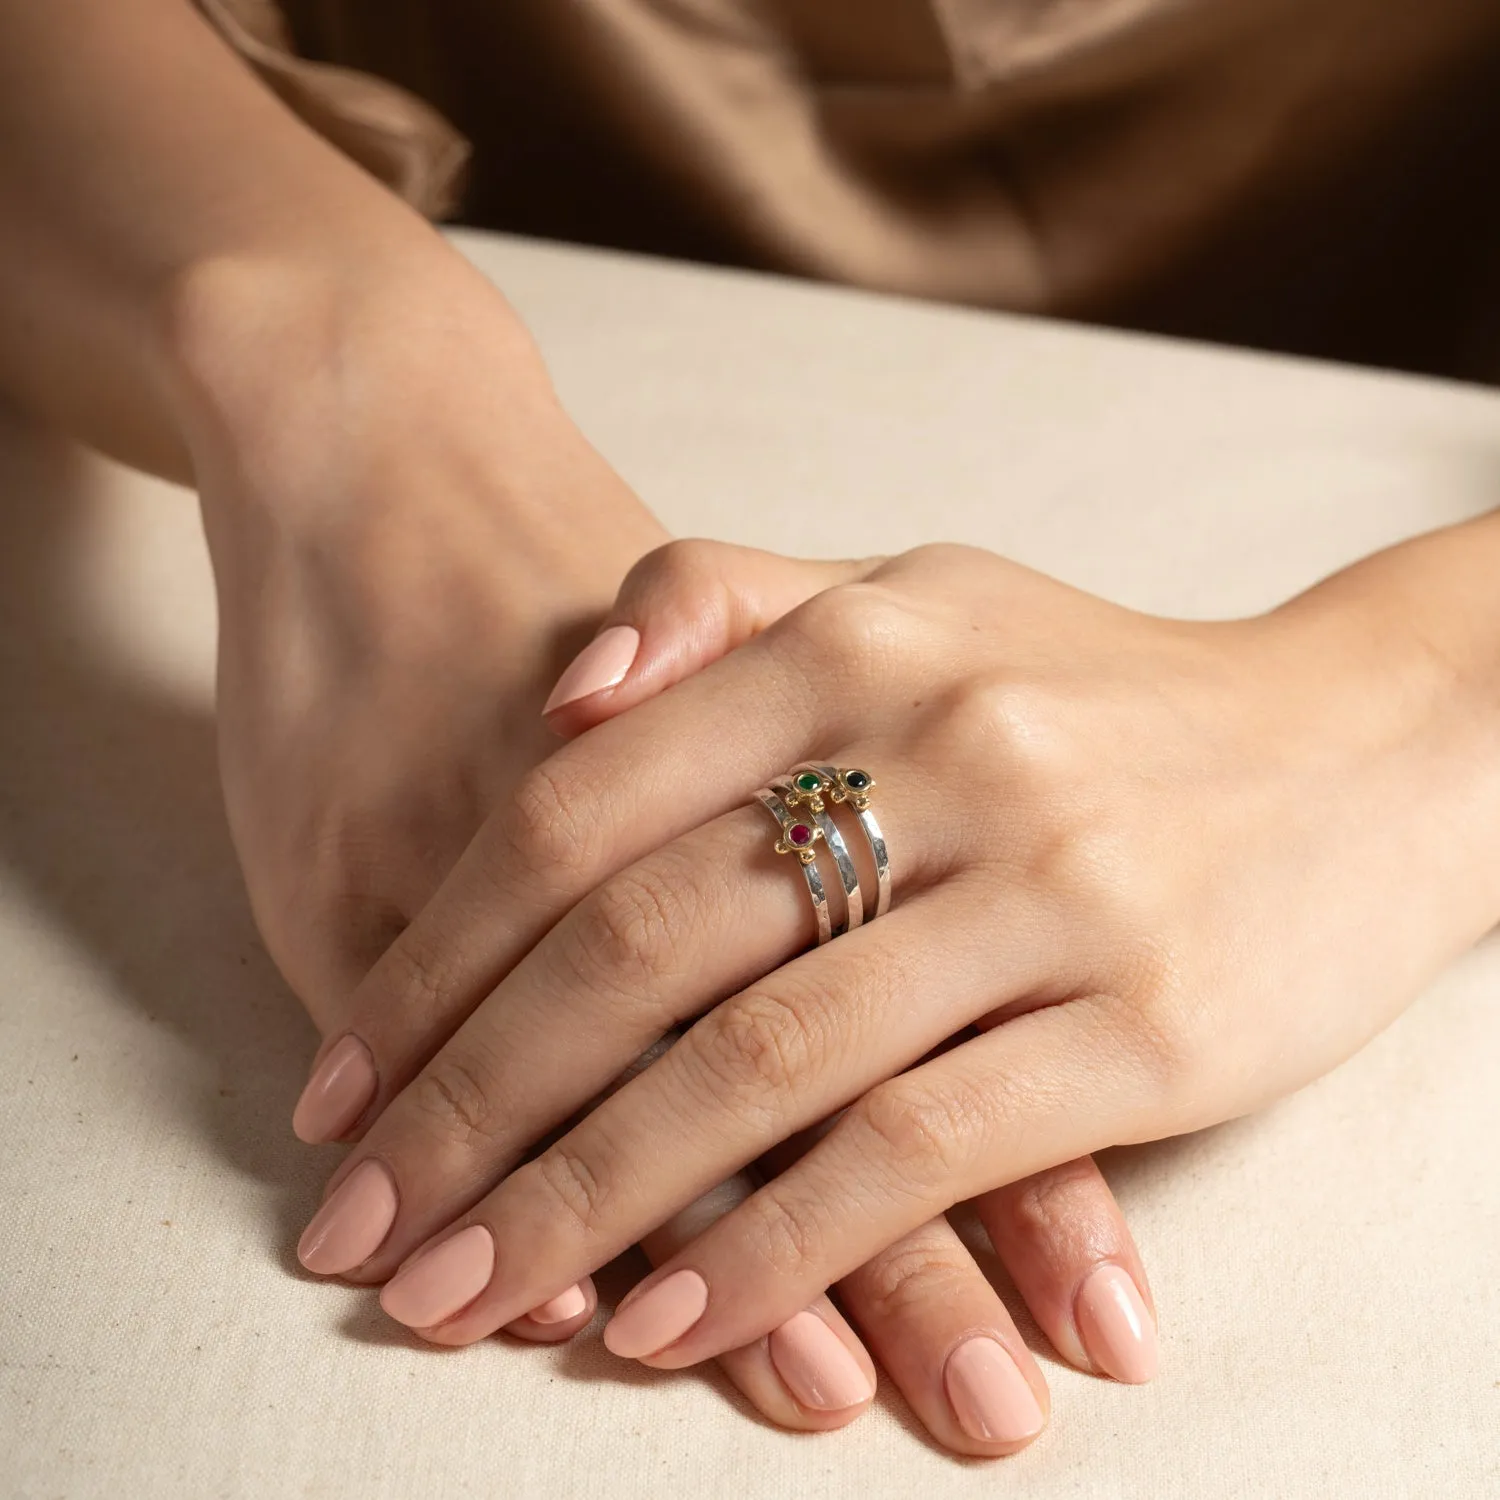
(1016,734)
(908,1279)
(1048,1205)
(1008,731)
(925,1134)
(630,928)
(859,622)
(1011,716)
(759,1045)
(550,826)
(1159,1046)
(687,570)
(787,1232)
(1165,1043)
(414,977)
(943,559)
(455,1098)
(575,1185)
(1079,862)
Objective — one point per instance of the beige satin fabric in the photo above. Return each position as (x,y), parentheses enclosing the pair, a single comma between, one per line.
(1314,175)
(387,130)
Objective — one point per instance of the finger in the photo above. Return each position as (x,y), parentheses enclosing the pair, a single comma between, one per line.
(776,1058)
(941,1332)
(655,945)
(681,607)
(1063,1239)
(1050,1085)
(803,1377)
(560,1317)
(944,1337)
(600,803)
(811,1374)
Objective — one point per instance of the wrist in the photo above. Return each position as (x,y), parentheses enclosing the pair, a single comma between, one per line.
(276,359)
(387,421)
(1401,652)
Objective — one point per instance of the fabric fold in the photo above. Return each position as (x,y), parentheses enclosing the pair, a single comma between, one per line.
(391,133)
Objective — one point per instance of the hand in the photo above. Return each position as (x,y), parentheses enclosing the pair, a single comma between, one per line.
(1186,868)
(1059,1233)
(409,538)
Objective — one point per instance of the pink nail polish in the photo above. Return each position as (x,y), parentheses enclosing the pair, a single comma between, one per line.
(817,1366)
(1117,1330)
(601,664)
(441,1281)
(991,1398)
(560,1308)
(337,1094)
(351,1226)
(648,1323)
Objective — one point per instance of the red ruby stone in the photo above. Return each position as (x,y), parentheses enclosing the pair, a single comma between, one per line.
(800,834)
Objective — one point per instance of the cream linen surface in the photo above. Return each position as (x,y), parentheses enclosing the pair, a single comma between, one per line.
(1328,1272)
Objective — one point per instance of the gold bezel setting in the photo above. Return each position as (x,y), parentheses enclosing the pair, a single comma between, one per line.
(853,786)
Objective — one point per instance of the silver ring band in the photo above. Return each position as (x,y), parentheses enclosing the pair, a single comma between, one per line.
(871,827)
(854,901)
(785,821)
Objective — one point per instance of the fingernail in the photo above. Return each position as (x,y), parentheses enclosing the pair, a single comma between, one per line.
(442,1281)
(601,664)
(337,1094)
(565,1305)
(648,1323)
(817,1366)
(1117,1330)
(991,1398)
(351,1226)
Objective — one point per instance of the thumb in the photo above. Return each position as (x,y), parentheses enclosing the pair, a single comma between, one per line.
(680,608)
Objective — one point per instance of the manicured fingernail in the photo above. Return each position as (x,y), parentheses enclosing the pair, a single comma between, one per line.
(337,1094)
(658,1317)
(817,1366)
(351,1226)
(1116,1328)
(563,1306)
(601,664)
(991,1398)
(441,1281)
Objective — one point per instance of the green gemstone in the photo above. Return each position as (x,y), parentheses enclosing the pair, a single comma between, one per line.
(808,782)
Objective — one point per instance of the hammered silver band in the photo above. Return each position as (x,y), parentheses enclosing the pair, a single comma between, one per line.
(854,901)
(799,803)
(787,821)
(871,828)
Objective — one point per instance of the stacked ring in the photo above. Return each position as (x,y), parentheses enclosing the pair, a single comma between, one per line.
(853,787)
(828,830)
(813,786)
(798,838)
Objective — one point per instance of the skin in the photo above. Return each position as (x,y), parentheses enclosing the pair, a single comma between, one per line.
(1172,871)
(193,283)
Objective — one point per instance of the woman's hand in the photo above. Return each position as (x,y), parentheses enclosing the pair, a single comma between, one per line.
(1059,1233)
(923,1299)
(1186,868)
(409,539)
